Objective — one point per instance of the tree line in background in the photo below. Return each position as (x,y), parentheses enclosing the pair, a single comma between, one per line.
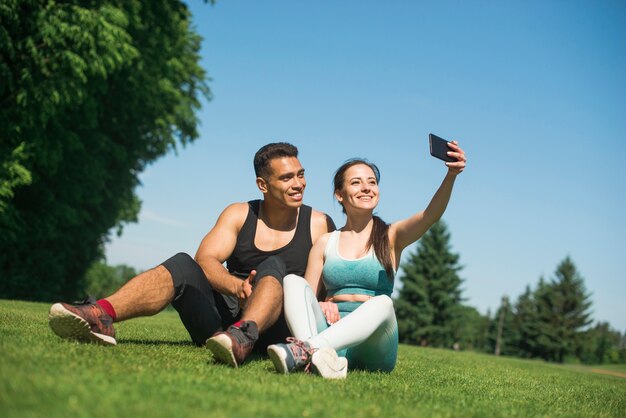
(551,322)
(90,94)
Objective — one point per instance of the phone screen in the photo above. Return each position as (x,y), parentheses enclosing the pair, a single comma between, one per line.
(439,148)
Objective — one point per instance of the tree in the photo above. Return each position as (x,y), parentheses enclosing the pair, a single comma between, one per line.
(428,304)
(600,345)
(471,328)
(525,323)
(563,312)
(90,93)
(504,334)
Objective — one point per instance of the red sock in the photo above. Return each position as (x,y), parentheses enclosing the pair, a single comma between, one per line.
(107,307)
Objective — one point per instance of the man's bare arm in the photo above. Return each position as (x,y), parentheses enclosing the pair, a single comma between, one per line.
(320,224)
(218,245)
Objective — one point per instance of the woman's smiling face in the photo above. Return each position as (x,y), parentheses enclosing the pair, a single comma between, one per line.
(360,188)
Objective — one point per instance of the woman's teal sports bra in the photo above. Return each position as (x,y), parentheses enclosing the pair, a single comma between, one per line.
(363,276)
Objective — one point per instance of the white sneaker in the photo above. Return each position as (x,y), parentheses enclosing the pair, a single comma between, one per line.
(328,364)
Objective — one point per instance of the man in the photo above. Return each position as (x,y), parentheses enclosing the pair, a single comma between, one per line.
(261,241)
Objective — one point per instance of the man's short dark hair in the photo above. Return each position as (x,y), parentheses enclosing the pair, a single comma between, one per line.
(268,152)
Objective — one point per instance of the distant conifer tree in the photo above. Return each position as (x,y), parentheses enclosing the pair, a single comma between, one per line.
(429,302)
(562,313)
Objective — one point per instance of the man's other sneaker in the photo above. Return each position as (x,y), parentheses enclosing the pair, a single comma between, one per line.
(84,321)
(298,355)
(234,345)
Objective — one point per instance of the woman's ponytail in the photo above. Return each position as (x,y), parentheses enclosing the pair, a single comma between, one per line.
(379,239)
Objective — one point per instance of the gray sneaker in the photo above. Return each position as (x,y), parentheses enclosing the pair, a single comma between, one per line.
(298,355)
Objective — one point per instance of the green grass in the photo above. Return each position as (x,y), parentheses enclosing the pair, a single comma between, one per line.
(620,368)
(155,372)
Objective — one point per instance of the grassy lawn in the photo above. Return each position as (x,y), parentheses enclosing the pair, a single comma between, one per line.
(619,368)
(154,371)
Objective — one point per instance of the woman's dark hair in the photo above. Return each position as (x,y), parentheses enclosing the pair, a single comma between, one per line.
(267,153)
(379,238)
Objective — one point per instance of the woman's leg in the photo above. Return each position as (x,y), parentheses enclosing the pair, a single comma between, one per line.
(370,333)
(305,319)
(302,310)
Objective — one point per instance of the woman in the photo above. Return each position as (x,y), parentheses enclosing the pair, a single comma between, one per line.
(356,265)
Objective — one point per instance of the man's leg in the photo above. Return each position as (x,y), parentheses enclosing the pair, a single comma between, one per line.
(263,310)
(179,280)
(265,303)
(202,310)
(92,321)
(144,295)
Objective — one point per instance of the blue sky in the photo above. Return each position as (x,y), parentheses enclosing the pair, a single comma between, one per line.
(534,92)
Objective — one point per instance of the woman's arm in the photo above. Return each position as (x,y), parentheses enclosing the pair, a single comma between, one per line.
(407,231)
(315,263)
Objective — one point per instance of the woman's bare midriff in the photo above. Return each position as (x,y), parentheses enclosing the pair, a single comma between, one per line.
(348,298)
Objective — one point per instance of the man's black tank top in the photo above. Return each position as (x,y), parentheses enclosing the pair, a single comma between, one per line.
(247,256)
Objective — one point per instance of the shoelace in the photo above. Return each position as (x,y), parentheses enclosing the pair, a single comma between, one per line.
(301,352)
(98,319)
(240,334)
(89,300)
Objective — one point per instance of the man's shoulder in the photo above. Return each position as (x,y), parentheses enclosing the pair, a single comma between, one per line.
(322,221)
(236,212)
(322,241)
(237,206)
(317,214)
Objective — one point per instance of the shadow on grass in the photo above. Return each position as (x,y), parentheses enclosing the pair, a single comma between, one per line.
(156,342)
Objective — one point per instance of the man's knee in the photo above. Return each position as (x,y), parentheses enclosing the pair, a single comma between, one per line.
(194,298)
(183,268)
(272,267)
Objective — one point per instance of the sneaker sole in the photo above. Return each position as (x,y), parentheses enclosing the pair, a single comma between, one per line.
(222,348)
(279,359)
(70,326)
(327,364)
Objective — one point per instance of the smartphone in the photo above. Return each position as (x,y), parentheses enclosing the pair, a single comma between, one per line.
(439,148)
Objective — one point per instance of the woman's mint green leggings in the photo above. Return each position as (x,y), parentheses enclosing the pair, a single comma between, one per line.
(366,334)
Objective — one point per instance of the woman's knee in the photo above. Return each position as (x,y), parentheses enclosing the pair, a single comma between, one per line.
(293,281)
(383,301)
